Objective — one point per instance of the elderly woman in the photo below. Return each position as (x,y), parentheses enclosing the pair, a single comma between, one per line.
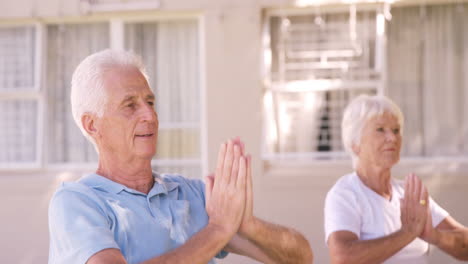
(371,217)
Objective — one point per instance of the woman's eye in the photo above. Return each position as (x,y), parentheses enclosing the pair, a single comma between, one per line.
(396,131)
(132,105)
(380,129)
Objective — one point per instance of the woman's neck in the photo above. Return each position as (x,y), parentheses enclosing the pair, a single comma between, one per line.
(376,178)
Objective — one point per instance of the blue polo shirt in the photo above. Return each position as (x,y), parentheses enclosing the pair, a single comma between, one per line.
(96,213)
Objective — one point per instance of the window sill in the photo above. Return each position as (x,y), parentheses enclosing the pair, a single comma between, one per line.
(326,169)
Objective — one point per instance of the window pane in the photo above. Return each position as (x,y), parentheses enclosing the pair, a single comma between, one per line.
(310,121)
(319,62)
(178,144)
(17,61)
(427,59)
(18,131)
(67,46)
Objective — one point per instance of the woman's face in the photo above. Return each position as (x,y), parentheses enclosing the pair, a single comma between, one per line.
(380,142)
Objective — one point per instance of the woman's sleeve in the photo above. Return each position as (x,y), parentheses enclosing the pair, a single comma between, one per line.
(341,213)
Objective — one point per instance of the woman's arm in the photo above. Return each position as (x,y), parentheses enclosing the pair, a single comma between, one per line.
(345,247)
(449,235)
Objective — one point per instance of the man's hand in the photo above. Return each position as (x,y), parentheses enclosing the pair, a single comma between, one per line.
(226,192)
(248,220)
(414,206)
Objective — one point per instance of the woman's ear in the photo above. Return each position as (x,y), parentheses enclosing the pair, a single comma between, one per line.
(355,149)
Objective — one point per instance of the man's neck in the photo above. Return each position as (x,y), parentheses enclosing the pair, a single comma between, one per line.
(135,174)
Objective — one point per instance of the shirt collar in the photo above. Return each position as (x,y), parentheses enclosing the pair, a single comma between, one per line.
(96,181)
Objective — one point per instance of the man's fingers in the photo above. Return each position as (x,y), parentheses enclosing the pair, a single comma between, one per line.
(220,162)
(249,175)
(242,174)
(235,164)
(228,162)
(209,182)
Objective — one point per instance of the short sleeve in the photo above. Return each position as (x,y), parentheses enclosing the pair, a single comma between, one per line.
(437,212)
(78,227)
(341,213)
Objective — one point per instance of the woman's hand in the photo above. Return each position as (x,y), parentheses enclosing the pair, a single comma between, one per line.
(414,206)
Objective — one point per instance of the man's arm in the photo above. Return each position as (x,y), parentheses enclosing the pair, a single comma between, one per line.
(200,248)
(225,202)
(280,244)
(449,235)
(345,247)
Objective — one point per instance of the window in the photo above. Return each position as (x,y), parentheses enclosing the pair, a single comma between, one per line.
(316,61)
(170,51)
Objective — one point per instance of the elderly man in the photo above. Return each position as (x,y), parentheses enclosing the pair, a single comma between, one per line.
(126,213)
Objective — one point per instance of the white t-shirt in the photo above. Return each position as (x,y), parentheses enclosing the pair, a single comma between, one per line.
(352,206)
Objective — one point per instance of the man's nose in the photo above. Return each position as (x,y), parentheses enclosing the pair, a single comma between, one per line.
(149,113)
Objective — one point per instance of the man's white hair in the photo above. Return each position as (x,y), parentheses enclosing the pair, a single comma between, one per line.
(356,115)
(87,84)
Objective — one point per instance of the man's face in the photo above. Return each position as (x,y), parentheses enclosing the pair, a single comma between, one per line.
(129,125)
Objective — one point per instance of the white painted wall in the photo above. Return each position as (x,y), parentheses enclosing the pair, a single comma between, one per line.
(289,194)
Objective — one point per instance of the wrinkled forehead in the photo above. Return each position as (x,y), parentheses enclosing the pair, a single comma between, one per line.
(384,118)
(122,83)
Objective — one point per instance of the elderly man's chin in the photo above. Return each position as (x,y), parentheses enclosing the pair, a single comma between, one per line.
(145,149)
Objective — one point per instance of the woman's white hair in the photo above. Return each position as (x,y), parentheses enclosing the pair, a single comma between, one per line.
(87,91)
(356,115)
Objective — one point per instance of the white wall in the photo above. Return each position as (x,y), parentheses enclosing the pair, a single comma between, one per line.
(289,194)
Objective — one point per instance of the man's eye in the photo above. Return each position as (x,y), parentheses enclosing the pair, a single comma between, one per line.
(380,129)
(396,131)
(132,105)
(151,103)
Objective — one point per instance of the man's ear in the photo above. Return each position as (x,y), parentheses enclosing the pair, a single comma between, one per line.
(88,121)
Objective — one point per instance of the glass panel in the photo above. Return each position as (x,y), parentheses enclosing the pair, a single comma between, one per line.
(67,46)
(17,51)
(178,144)
(311,121)
(18,131)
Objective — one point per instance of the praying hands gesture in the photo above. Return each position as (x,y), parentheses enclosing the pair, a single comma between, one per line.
(448,235)
(414,206)
(229,204)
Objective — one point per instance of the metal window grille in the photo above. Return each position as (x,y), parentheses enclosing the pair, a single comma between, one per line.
(316,64)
